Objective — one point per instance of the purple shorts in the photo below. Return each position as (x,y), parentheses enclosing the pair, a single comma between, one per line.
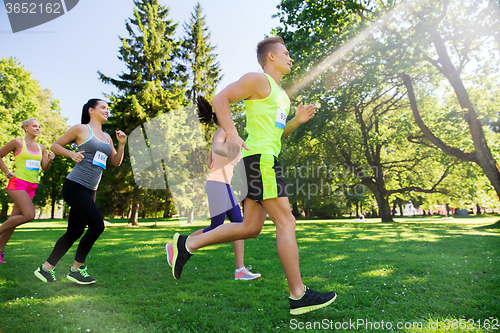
(16,184)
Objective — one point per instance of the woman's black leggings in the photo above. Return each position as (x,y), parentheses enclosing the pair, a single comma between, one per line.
(83,211)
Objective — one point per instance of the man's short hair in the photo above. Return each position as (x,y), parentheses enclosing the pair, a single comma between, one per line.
(265,46)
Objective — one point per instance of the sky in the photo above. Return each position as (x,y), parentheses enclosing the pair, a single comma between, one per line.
(65,54)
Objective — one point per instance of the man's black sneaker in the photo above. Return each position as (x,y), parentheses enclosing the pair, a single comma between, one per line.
(80,276)
(310,301)
(45,275)
(181,255)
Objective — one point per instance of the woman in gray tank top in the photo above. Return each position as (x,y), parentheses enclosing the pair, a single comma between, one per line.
(79,189)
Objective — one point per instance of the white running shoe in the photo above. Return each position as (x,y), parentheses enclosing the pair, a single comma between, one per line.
(245,274)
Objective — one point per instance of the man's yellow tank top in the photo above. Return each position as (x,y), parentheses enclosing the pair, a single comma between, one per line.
(28,164)
(266,120)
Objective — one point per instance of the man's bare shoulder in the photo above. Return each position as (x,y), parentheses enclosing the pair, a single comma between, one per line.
(249,86)
(257,84)
(253,77)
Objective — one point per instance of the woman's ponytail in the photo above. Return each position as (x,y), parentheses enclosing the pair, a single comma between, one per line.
(92,103)
(205,111)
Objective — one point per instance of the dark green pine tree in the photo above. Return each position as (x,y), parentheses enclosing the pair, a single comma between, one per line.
(203,69)
(203,74)
(152,85)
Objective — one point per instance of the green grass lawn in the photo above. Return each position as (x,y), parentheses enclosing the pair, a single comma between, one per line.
(413,273)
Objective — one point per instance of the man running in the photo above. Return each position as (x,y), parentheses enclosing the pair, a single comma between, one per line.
(267,107)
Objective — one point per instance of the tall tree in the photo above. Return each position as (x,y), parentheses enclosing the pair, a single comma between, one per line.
(21,98)
(450,39)
(203,69)
(53,126)
(151,86)
(18,98)
(18,91)
(204,74)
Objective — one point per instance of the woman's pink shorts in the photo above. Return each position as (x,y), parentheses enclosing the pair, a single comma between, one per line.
(16,184)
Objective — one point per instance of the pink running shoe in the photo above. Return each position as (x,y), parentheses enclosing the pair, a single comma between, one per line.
(2,261)
(245,274)
(169,248)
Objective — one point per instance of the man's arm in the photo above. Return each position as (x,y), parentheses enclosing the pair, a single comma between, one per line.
(301,116)
(250,86)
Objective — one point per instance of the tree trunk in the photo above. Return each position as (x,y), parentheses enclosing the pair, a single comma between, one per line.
(156,208)
(4,211)
(190,215)
(306,209)
(478,209)
(385,211)
(482,154)
(53,208)
(382,199)
(295,209)
(129,213)
(134,214)
(167,211)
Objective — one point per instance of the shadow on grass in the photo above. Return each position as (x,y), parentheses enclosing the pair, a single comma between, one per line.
(495,225)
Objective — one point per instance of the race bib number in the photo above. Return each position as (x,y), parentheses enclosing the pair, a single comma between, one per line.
(280,119)
(32,165)
(100,159)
